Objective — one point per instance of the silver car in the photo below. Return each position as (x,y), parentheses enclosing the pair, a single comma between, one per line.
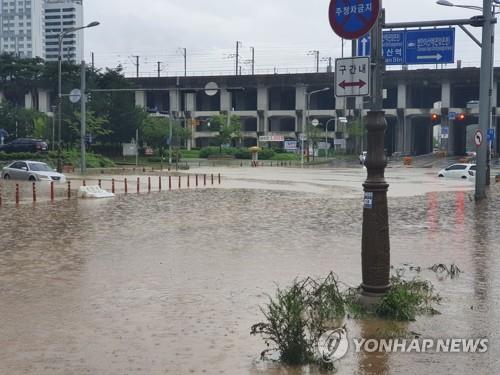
(31,171)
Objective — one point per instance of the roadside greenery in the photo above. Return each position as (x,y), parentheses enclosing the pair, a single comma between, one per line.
(71,157)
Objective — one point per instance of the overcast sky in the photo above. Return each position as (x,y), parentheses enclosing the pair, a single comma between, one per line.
(282,32)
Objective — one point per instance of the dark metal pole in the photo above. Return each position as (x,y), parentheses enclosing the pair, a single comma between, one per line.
(59,105)
(484,98)
(83,114)
(375,253)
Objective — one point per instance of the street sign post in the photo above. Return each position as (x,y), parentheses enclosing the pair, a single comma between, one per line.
(350,19)
(413,47)
(352,76)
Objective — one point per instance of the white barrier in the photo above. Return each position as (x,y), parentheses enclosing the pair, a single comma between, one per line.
(93,192)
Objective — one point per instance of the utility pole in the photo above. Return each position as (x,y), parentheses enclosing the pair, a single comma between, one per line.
(184,54)
(237,56)
(159,68)
(253,60)
(137,65)
(316,57)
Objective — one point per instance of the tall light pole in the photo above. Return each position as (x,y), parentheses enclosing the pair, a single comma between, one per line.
(485,87)
(306,118)
(60,37)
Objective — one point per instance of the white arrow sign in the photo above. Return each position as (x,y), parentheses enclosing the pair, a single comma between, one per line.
(364,42)
(437,57)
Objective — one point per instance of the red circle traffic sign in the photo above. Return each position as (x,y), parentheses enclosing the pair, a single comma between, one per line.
(351,19)
(478,138)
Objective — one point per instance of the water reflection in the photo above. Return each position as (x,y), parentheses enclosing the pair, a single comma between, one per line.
(171,283)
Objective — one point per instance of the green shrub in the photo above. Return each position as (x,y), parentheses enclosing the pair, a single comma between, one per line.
(205,152)
(243,153)
(297,316)
(287,156)
(407,299)
(266,154)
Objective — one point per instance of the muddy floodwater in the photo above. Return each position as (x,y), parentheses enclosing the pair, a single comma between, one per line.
(170,283)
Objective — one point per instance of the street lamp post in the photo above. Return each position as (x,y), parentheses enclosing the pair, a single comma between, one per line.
(60,37)
(485,87)
(53,127)
(306,118)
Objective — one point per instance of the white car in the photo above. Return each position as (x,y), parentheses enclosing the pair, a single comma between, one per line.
(362,157)
(459,171)
(31,171)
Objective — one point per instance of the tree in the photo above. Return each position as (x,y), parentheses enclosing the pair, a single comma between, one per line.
(313,135)
(228,129)
(95,125)
(357,131)
(156,132)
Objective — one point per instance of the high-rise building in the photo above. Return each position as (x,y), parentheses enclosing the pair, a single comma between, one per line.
(60,16)
(21,28)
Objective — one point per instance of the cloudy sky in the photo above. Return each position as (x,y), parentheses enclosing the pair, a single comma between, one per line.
(282,32)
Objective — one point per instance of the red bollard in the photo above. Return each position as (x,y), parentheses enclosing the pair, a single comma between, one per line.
(52,191)
(99,182)
(149,184)
(169,182)
(138,184)
(179,182)
(219,178)
(17,194)
(196,180)
(69,189)
(34,192)
(212,175)
(159,183)
(188,181)
(204,180)
(126,186)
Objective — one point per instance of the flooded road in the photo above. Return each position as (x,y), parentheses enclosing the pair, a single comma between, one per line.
(170,283)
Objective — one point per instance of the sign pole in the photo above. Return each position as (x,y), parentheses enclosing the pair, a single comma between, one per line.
(484,97)
(375,247)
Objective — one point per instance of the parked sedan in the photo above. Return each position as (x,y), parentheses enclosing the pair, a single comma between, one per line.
(459,171)
(25,145)
(31,171)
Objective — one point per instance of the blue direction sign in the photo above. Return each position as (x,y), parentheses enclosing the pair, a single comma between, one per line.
(405,47)
(491,135)
(350,19)
(393,43)
(430,46)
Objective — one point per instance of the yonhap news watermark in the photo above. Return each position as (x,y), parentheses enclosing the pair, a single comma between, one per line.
(335,344)
(449,345)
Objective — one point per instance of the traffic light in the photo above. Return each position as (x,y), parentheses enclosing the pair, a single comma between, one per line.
(435,119)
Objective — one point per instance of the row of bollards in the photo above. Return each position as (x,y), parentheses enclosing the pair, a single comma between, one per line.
(113,186)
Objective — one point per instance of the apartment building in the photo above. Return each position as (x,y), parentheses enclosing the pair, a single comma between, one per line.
(60,16)
(22,28)
(30,28)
